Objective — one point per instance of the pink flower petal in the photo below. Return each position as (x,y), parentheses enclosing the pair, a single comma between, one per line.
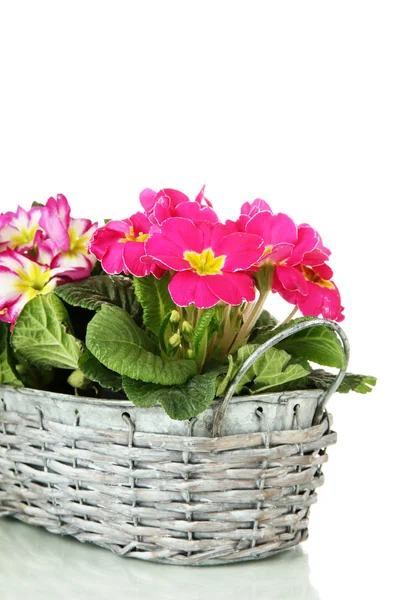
(55,229)
(194,212)
(112,260)
(307,240)
(8,293)
(60,208)
(140,223)
(46,251)
(177,235)
(201,198)
(292,279)
(69,262)
(107,236)
(279,253)
(273,228)
(81,226)
(188,287)
(132,254)
(232,288)
(242,250)
(252,208)
(310,304)
(324,271)
(147,199)
(290,297)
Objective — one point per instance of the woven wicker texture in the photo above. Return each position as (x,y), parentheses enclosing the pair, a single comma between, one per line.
(176,499)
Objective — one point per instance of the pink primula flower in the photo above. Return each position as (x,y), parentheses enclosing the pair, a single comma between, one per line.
(21,279)
(120,246)
(20,230)
(278,232)
(210,261)
(167,203)
(247,211)
(304,279)
(318,294)
(70,237)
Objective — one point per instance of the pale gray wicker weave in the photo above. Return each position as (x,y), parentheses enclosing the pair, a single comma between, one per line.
(144,486)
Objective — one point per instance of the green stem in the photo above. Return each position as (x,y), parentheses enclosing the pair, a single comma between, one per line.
(249,324)
(288,318)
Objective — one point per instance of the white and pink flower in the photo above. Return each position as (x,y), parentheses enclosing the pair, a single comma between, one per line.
(20,230)
(70,237)
(22,278)
(40,249)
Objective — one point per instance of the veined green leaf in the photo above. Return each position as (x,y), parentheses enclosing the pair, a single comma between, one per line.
(317,344)
(117,342)
(179,401)
(273,368)
(92,293)
(8,373)
(143,394)
(96,371)
(361,384)
(155,299)
(41,334)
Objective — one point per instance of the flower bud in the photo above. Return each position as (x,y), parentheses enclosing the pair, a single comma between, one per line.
(174,340)
(175,317)
(187,330)
(189,353)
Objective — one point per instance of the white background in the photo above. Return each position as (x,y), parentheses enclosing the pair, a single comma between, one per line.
(294,102)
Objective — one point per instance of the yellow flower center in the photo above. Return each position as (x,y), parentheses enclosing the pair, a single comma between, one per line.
(313,276)
(205,263)
(23,237)
(130,237)
(268,250)
(77,245)
(34,281)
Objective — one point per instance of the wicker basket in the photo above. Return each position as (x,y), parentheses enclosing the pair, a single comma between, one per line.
(234,484)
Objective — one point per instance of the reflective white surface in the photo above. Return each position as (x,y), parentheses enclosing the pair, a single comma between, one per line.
(351,552)
(62,568)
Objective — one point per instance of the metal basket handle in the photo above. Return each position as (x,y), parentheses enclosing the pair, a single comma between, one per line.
(220,413)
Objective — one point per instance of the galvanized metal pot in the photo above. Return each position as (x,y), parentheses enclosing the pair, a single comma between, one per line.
(234,484)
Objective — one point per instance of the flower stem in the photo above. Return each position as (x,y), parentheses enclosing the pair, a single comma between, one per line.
(245,331)
(288,318)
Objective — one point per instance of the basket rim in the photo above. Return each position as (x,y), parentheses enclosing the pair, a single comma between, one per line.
(280,397)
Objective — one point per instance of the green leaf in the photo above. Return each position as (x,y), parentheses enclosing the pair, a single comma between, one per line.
(317,344)
(266,321)
(202,327)
(201,336)
(143,394)
(95,371)
(357,383)
(38,378)
(179,401)
(117,342)
(274,367)
(96,291)
(8,373)
(165,324)
(229,375)
(41,335)
(155,299)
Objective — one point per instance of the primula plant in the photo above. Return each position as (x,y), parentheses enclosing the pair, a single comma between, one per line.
(166,305)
